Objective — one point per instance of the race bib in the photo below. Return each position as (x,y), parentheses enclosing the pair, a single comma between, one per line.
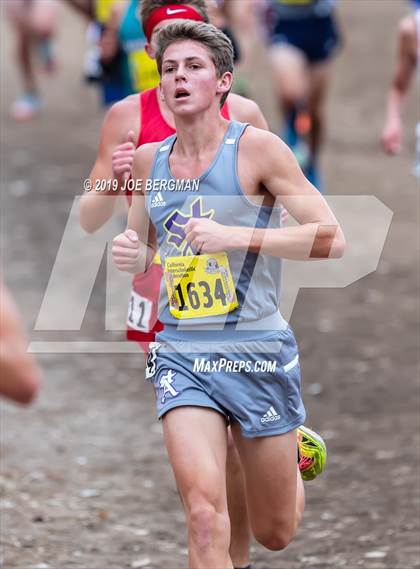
(144,71)
(199,286)
(139,312)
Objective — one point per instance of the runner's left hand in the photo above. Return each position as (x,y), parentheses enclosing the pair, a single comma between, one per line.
(206,236)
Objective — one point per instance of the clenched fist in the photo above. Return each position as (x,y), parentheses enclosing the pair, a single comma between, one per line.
(206,236)
(126,251)
(122,158)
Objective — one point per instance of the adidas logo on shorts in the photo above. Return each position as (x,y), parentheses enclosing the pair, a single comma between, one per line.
(158,201)
(270,416)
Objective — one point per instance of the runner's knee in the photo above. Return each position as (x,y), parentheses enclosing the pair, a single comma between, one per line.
(206,524)
(42,30)
(277,536)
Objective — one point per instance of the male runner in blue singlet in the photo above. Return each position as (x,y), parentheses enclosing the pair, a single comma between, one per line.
(213,193)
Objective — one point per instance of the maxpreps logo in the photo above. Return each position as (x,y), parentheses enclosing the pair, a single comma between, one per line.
(175,223)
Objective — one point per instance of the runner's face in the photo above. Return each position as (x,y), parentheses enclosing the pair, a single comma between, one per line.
(189,81)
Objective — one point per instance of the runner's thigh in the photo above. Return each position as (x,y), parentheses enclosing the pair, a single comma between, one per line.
(44,16)
(196,440)
(270,466)
(289,69)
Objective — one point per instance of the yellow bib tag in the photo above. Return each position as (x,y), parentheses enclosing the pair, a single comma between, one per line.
(103,10)
(157,260)
(199,286)
(144,71)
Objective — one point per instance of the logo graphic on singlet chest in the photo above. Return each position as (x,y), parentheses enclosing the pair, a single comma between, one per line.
(175,225)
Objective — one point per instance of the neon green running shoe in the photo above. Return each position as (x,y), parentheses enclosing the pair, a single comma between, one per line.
(312,453)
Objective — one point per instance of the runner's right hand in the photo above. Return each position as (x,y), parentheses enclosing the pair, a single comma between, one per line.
(122,158)
(391,137)
(125,251)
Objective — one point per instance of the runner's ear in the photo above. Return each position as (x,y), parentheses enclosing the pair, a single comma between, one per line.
(149,49)
(225,82)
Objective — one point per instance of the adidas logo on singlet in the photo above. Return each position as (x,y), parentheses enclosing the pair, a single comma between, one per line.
(270,416)
(158,201)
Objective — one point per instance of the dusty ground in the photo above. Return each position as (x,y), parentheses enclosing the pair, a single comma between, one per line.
(84,476)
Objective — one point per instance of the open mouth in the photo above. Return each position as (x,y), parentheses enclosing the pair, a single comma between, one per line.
(181,94)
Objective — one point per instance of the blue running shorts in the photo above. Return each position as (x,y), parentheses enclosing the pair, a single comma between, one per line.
(317,37)
(256,383)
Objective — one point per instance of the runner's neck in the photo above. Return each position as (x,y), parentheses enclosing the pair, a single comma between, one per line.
(199,135)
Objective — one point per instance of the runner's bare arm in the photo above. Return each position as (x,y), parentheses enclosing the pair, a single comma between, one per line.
(404,71)
(265,161)
(247,111)
(109,43)
(134,250)
(19,373)
(318,234)
(97,206)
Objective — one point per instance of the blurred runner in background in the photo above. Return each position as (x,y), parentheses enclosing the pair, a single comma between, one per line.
(408,60)
(124,45)
(19,373)
(304,39)
(34,24)
(109,72)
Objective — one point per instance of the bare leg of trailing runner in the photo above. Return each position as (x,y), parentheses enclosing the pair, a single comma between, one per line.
(34,23)
(19,373)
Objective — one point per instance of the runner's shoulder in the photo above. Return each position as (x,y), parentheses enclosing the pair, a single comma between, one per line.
(242,109)
(260,140)
(144,156)
(125,108)
(265,151)
(122,117)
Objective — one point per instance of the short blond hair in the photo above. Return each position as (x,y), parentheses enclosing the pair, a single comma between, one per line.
(148,6)
(217,43)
